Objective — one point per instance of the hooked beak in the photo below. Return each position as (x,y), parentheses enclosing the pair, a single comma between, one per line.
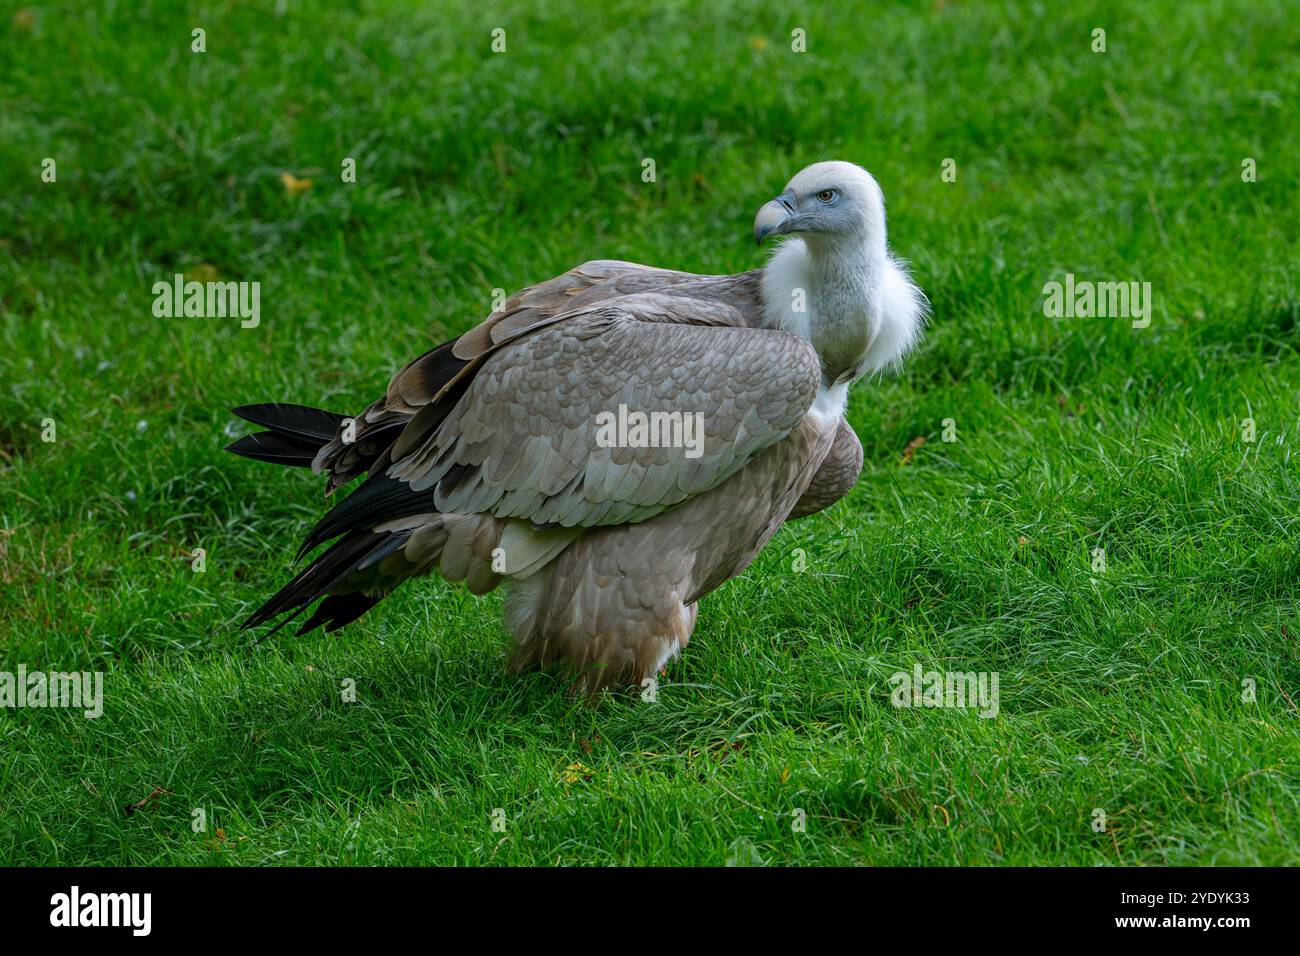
(776,217)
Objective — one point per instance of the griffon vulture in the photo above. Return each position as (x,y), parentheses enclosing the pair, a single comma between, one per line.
(490,459)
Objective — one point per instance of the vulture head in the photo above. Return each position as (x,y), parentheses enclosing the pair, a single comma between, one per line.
(833,201)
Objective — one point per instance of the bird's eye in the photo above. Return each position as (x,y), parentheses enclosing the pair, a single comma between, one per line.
(826,195)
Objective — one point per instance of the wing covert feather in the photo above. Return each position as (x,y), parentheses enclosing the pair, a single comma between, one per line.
(525,440)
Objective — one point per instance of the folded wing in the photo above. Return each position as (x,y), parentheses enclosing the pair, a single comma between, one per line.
(546,429)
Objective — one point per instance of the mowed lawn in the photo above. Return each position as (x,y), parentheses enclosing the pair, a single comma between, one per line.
(1125,684)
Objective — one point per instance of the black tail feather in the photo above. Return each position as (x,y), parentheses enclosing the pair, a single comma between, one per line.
(308,582)
(356,552)
(379,499)
(297,421)
(296,433)
(344,574)
(338,610)
(277,449)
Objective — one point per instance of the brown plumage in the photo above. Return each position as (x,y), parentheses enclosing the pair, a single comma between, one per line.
(487,461)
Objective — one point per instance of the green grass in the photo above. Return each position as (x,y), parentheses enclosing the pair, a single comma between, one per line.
(1120,690)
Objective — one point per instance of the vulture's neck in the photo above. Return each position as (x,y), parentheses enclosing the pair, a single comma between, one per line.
(828,291)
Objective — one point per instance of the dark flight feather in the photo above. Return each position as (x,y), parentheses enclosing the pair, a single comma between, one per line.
(297,421)
(359,550)
(378,499)
(278,449)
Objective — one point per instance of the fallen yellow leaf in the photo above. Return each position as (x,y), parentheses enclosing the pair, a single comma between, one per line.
(293,185)
(912,446)
(576,772)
